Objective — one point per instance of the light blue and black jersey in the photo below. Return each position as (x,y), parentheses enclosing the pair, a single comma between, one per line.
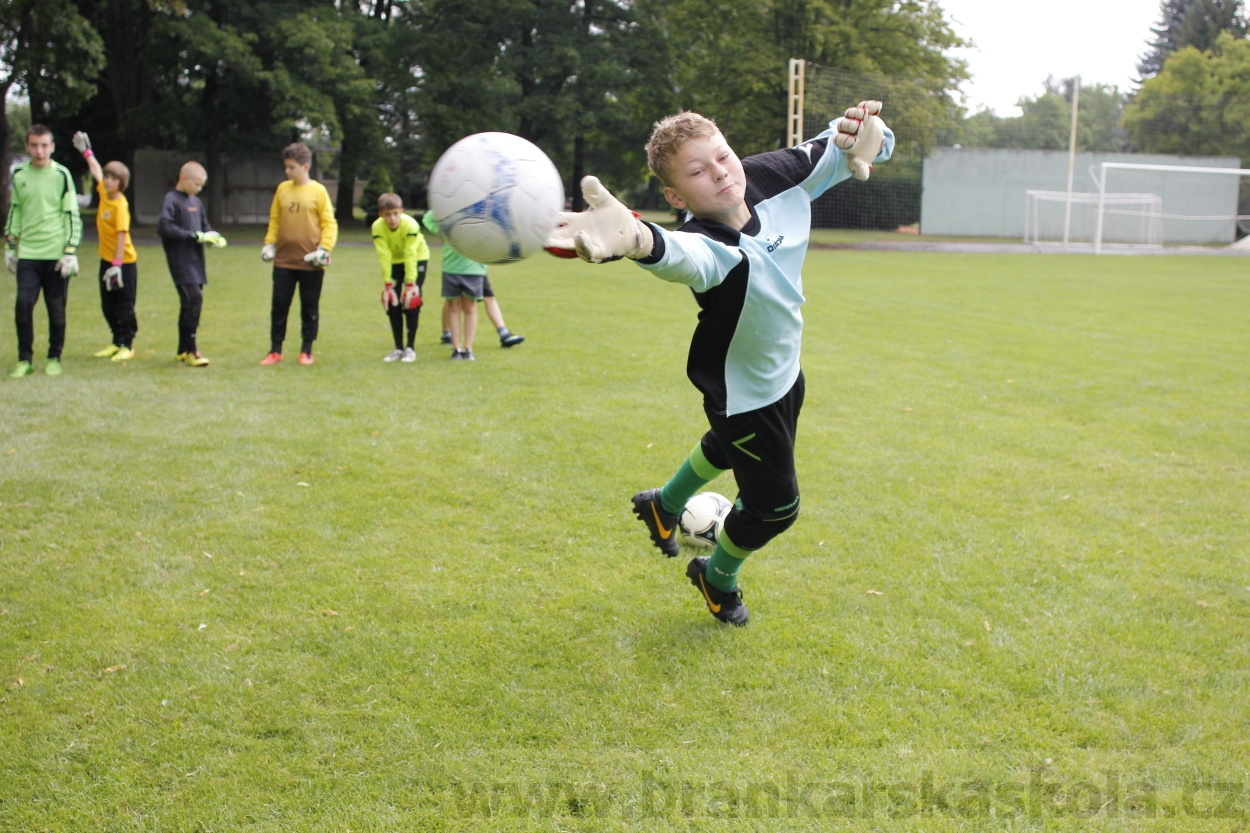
(749,284)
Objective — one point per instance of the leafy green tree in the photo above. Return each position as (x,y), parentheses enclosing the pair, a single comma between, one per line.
(729,60)
(1045,121)
(1199,104)
(52,54)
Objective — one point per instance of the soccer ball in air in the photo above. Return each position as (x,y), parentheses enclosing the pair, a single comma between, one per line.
(703,518)
(495,197)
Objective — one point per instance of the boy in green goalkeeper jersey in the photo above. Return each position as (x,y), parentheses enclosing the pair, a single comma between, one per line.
(41,240)
(403,255)
(463,281)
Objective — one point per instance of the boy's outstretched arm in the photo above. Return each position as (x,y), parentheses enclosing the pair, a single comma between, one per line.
(607,230)
(82,143)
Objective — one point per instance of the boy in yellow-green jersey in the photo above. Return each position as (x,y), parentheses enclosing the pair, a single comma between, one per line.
(302,232)
(403,255)
(41,240)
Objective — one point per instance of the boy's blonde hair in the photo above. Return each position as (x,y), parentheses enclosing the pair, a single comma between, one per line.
(192,169)
(298,152)
(669,134)
(388,201)
(120,172)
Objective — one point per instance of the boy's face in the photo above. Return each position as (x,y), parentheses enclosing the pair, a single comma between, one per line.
(708,181)
(191,184)
(39,149)
(392,216)
(297,172)
(112,184)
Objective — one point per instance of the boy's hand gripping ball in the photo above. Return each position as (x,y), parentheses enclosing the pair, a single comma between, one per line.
(861,133)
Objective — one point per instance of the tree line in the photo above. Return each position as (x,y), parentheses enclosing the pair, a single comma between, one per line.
(389,84)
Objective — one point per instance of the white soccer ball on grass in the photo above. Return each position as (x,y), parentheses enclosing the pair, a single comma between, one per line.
(495,197)
(703,519)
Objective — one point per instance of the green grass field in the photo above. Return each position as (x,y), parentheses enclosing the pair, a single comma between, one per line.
(374,597)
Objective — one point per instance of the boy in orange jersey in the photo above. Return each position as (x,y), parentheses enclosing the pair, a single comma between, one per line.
(302,232)
(119,272)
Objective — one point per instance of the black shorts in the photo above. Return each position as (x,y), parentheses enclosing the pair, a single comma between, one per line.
(759,446)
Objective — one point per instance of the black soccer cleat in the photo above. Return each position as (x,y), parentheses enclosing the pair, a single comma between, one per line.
(510,339)
(662,525)
(725,606)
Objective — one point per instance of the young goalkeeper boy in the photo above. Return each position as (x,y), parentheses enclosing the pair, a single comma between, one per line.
(742,254)
(119,270)
(302,232)
(404,256)
(184,231)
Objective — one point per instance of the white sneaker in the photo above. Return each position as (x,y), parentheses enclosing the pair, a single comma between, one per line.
(410,355)
(394,356)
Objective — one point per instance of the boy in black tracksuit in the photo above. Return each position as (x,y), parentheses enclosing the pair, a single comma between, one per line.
(184,229)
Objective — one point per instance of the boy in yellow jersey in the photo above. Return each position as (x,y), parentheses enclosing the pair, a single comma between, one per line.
(302,232)
(119,272)
(404,256)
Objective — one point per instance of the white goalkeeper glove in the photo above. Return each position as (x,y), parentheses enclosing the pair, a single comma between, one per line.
(113,277)
(213,238)
(67,266)
(389,298)
(10,258)
(411,299)
(267,252)
(607,230)
(861,133)
(82,143)
(319,258)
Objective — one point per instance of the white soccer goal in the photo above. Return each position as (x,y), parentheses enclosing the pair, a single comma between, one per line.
(1199,204)
(1128,219)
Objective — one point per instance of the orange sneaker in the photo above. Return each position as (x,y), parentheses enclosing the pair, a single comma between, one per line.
(305,358)
(272,358)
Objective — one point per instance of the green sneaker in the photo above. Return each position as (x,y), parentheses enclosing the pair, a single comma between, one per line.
(53,367)
(22,369)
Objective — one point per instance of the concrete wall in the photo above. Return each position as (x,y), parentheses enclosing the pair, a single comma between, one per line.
(980,192)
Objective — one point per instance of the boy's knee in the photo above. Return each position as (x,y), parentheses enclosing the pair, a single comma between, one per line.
(751,527)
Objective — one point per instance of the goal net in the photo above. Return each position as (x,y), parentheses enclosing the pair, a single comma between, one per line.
(1128,219)
(1199,205)
(890,198)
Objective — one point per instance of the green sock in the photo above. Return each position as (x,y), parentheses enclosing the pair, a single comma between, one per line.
(695,473)
(723,566)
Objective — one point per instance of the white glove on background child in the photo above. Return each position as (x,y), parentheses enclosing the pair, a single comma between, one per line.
(319,258)
(112,277)
(861,133)
(267,252)
(607,230)
(68,266)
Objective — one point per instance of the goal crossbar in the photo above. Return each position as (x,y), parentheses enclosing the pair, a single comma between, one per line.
(1141,166)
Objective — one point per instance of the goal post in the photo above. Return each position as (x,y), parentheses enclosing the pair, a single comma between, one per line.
(1055,218)
(1209,206)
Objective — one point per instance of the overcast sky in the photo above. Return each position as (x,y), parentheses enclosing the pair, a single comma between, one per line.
(1017,44)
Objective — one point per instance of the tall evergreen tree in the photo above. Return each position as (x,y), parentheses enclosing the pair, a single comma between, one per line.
(1195,23)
